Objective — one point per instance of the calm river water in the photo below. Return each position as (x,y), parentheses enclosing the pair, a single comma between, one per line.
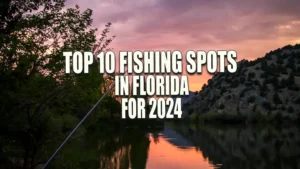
(173,147)
(184,147)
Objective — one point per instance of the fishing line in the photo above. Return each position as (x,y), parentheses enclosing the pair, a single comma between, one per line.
(69,136)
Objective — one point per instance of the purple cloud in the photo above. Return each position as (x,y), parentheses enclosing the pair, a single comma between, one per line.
(252,28)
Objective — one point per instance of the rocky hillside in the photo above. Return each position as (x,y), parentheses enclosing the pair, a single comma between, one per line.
(268,87)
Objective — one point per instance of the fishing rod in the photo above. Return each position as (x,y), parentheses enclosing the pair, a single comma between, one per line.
(69,136)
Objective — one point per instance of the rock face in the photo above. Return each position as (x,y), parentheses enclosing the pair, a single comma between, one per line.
(268,86)
(185,100)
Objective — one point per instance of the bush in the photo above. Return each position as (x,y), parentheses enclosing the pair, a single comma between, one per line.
(242,79)
(290,109)
(242,93)
(228,97)
(277,99)
(204,86)
(235,83)
(284,70)
(279,60)
(275,82)
(210,82)
(190,111)
(254,108)
(251,99)
(251,75)
(256,82)
(264,65)
(278,117)
(288,47)
(293,87)
(221,106)
(291,79)
(283,83)
(264,86)
(297,101)
(262,93)
(263,75)
(267,105)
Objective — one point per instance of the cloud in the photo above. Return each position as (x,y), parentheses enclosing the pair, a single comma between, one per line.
(194,18)
(252,28)
(214,21)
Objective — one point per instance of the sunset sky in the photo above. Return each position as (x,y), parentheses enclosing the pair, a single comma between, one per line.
(252,28)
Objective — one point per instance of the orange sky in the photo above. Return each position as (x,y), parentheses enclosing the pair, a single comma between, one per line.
(251,28)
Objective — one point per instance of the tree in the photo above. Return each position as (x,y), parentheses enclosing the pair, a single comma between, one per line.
(264,65)
(203,86)
(251,99)
(275,82)
(242,79)
(267,105)
(34,88)
(277,99)
(221,106)
(251,75)
(291,79)
(290,109)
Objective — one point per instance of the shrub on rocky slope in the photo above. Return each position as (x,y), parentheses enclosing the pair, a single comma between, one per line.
(267,88)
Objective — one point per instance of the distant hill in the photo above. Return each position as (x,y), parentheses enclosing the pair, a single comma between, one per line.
(184,101)
(267,88)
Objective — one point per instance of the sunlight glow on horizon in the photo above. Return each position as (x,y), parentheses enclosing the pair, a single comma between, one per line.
(251,28)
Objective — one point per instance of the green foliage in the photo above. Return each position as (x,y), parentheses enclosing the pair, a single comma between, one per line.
(291,79)
(221,106)
(235,83)
(242,79)
(36,95)
(256,82)
(279,59)
(242,93)
(251,99)
(275,82)
(290,109)
(190,111)
(293,87)
(267,105)
(264,65)
(221,118)
(277,99)
(203,86)
(288,47)
(251,75)
(297,100)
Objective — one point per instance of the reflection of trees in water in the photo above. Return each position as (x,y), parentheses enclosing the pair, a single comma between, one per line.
(116,152)
(119,159)
(155,136)
(17,149)
(237,148)
(124,152)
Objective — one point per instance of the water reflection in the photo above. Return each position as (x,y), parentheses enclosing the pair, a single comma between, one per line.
(247,147)
(124,152)
(182,147)
(152,150)
(168,153)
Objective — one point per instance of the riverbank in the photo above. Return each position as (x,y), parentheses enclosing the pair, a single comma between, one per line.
(251,118)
